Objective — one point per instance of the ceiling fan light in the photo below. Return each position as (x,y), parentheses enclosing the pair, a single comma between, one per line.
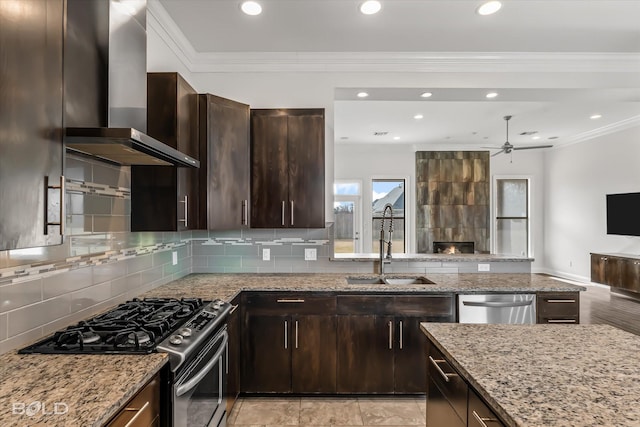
(489,8)
(370,7)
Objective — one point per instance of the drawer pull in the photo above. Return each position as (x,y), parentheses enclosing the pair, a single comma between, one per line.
(233,308)
(140,411)
(483,421)
(443,373)
(390,335)
(285,300)
(561,301)
(286,332)
(561,320)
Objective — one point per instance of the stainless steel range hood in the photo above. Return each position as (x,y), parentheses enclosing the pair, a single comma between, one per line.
(105,85)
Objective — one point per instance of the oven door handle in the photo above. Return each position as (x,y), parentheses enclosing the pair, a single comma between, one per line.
(193,382)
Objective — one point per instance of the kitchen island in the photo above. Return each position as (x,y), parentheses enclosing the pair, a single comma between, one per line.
(546,375)
(94,387)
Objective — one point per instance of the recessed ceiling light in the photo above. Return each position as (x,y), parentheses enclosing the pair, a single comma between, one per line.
(426,95)
(595,116)
(251,8)
(362,94)
(370,7)
(535,137)
(489,8)
(491,95)
(396,138)
(418,116)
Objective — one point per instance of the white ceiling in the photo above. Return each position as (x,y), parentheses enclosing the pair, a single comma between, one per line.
(453,115)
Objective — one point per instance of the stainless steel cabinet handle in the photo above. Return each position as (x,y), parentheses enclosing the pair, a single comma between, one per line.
(291,212)
(390,335)
(286,300)
(283,208)
(140,411)
(186,210)
(62,219)
(482,420)
(561,321)
(439,369)
(401,334)
(286,329)
(245,212)
(296,334)
(496,304)
(561,301)
(233,308)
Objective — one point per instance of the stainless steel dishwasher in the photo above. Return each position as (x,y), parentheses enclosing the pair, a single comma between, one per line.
(497,308)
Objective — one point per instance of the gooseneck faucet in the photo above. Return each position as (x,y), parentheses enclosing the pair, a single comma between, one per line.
(389,208)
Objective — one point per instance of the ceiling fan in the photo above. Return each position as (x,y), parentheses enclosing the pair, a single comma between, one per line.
(507,147)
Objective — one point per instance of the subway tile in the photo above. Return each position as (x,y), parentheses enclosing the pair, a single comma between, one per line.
(208,269)
(3,327)
(19,294)
(103,224)
(107,272)
(77,169)
(66,282)
(243,250)
(226,261)
(319,233)
(287,263)
(168,269)
(36,315)
(74,203)
(225,234)
(21,340)
(251,262)
(139,263)
(291,233)
(78,224)
(276,250)
(259,234)
(199,261)
(240,270)
(161,258)
(200,234)
(120,206)
(171,237)
(125,284)
(110,175)
(202,250)
(150,275)
(96,205)
(89,297)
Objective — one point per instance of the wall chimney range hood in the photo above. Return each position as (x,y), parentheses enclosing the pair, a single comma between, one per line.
(105,85)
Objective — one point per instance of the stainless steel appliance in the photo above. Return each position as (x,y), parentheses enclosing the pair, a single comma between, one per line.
(194,334)
(497,308)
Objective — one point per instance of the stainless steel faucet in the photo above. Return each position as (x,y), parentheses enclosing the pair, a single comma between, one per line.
(386,259)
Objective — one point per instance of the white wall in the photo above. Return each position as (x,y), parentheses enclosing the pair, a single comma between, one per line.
(577,179)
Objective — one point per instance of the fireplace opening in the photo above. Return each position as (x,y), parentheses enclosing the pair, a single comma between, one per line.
(452,248)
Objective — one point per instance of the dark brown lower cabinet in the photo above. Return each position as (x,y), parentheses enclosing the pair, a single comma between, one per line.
(450,400)
(235,355)
(143,410)
(558,307)
(313,356)
(619,271)
(410,356)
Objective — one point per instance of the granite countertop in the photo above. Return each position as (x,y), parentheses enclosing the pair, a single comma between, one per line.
(94,387)
(73,390)
(432,257)
(227,286)
(548,375)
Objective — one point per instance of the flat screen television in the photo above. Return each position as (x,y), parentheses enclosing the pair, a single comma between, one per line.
(623,214)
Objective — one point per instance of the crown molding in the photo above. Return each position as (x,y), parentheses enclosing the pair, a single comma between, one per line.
(481,62)
(619,126)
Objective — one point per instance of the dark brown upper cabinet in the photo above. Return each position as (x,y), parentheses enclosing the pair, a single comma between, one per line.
(165,198)
(224,163)
(31,102)
(287,168)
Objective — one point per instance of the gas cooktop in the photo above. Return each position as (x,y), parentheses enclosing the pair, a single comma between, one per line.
(134,327)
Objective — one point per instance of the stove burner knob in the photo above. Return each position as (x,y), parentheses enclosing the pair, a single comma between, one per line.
(185,332)
(217,305)
(175,339)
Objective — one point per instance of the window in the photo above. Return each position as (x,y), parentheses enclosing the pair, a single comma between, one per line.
(512,216)
(346,210)
(388,191)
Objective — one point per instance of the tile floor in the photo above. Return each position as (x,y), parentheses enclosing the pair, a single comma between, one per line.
(328,411)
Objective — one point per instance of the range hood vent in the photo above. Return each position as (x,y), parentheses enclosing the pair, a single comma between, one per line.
(126,146)
(105,85)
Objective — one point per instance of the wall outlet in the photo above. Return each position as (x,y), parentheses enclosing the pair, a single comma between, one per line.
(266,254)
(310,254)
(484,267)
(174,257)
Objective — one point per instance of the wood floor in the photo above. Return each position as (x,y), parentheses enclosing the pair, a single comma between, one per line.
(597,306)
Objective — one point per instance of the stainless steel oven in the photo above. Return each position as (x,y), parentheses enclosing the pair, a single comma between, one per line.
(199,386)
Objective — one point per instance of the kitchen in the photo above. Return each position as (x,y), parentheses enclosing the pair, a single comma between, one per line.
(82,292)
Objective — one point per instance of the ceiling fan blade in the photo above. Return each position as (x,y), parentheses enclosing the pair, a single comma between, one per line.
(499,152)
(530,147)
(494,148)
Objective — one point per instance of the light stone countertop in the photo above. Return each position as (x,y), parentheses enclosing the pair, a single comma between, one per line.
(548,375)
(95,386)
(432,257)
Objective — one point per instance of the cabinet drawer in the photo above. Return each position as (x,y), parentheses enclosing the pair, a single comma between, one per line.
(453,388)
(480,415)
(561,305)
(365,304)
(440,307)
(143,410)
(289,303)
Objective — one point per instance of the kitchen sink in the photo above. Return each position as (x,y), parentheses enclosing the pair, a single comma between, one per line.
(408,281)
(362,280)
(376,280)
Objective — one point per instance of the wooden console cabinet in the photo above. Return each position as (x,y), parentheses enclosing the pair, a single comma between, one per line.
(558,307)
(620,271)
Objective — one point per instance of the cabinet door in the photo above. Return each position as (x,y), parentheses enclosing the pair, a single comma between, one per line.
(31,120)
(365,354)
(313,354)
(613,271)
(598,263)
(269,173)
(410,356)
(631,275)
(225,179)
(306,169)
(439,411)
(235,355)
(266,354)
(479,414)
